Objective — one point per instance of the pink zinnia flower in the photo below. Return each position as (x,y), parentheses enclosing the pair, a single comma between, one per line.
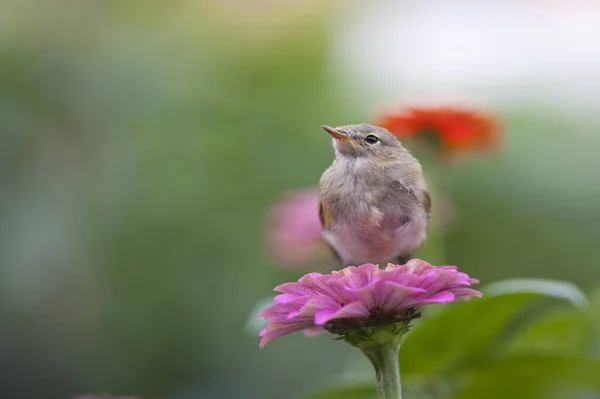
(294,230)
(359,297)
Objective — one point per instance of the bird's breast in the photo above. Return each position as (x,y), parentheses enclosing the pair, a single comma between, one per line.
(376,238)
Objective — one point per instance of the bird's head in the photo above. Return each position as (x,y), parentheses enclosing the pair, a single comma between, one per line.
(366,141)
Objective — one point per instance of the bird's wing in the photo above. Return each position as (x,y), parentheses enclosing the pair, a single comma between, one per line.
(427,203)
(324,214)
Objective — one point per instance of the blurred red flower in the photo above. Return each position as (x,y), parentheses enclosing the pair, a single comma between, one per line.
(451,128)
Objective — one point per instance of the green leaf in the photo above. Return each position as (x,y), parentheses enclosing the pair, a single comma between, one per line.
(564,332)
(594,311)
(552,288)
(527,376)
(463,332)
(343,390)
(593,314)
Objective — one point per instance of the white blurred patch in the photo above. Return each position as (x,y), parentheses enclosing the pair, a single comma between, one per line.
(511,50)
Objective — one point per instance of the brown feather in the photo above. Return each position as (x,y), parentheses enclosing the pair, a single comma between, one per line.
(325,215)
(427,202)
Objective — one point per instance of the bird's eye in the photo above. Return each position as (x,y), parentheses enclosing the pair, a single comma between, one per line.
(371,139)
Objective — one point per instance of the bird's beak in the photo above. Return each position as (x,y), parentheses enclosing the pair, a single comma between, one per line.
(336,134)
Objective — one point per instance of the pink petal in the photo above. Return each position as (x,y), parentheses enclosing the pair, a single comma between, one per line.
(396,296)
(366,294)
(355,309)
(323,316)
(440,297)
(276,333)
(316,304)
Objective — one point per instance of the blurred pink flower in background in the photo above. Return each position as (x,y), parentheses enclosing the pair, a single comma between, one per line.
(294,230)
(363,296)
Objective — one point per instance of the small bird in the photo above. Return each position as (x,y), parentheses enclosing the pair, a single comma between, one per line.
(374,204)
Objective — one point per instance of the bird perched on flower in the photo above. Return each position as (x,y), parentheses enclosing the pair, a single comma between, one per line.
(374,205)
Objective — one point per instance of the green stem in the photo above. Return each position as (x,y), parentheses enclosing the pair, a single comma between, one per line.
(387,369)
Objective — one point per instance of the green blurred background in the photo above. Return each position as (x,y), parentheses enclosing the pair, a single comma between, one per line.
(142,142)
